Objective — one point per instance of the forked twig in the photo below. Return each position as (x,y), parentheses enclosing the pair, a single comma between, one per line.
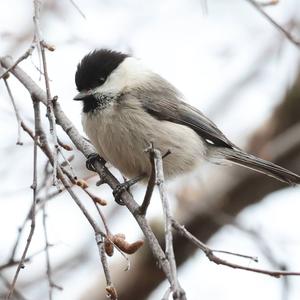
(219,261)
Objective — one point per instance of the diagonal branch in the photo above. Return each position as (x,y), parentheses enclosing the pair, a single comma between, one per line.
(104,173)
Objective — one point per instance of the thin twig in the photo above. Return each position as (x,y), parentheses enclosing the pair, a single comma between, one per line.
(110,289)
(20,123)
(19,142)
(18,238)
(17,294)
(107,234)
(78,8)
(50,114)
(178,292)
(12,263)
(67,163)
(254,258)
(51,283)
(288,35)
(24,56)
(37,122)
(219,261)
(102,218)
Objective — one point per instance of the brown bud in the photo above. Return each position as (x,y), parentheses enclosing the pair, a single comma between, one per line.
(120,235)
(82,183)
(96,199)
(48,46)
(111,292)
(100,201)
(119,240)
(66,147)
(109,247)
(132,248)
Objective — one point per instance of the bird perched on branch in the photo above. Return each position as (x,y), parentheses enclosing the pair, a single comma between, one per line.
(126,106)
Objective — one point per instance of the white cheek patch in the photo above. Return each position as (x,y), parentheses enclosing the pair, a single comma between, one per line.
(130,73)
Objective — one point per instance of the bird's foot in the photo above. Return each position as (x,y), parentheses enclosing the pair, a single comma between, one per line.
(125,186)
(91,160)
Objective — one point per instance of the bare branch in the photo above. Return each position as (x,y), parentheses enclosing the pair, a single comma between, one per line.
(50,114)
(17,294)
(26,54)
(51,283)
(219,261)
(78,8)
(19,142)
(178,292)
(110,289)
(37,122)
(274,23)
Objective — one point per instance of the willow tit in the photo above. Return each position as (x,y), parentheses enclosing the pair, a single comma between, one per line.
(126,106)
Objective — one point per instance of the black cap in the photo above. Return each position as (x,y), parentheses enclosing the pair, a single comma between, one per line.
(95,67)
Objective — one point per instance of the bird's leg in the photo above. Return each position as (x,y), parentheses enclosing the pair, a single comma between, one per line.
(120,188)
(91,160)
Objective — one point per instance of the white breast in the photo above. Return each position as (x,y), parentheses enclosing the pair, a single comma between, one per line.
(121,133)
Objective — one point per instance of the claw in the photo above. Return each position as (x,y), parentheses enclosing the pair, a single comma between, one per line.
(118,190)
(125,186)
(91,160)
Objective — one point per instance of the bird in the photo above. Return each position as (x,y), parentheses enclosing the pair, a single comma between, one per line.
(126,106)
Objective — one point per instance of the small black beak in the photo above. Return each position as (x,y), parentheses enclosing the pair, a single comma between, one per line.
(82,95)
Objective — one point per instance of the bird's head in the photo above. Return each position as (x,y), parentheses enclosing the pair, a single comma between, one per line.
(99,76)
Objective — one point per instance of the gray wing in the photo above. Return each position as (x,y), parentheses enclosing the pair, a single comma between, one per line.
(163,101)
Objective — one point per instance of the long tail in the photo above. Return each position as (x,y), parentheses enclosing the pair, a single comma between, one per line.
(260,165)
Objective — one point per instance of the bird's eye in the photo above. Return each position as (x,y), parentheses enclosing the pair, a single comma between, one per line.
(101,80)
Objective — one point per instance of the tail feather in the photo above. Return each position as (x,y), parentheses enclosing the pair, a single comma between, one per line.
(260,165)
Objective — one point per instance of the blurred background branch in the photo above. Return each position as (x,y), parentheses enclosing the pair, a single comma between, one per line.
(231,64)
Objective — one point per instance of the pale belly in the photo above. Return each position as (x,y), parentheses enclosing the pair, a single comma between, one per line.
(121,139)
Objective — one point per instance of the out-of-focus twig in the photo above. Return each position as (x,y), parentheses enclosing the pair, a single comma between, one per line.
(78,8)
(51,283)
(288,35)
(17,294)
(19,142)
(37,133)
(26,54)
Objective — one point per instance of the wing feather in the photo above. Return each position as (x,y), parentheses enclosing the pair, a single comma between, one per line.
(164,102)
